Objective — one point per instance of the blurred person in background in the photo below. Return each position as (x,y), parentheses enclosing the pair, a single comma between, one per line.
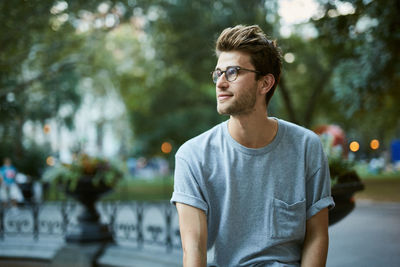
(10,191)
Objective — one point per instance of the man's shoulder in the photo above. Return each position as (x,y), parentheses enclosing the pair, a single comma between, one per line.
(305,142)
(202,141)
(298,132)
(299,137)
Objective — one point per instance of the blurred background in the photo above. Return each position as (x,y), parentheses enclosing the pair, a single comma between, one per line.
(128,81)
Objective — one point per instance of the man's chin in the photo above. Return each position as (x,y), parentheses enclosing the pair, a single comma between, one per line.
(222,111)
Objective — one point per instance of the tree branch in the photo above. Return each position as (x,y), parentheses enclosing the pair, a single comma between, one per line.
(287,101)
(312,102)
(40,77)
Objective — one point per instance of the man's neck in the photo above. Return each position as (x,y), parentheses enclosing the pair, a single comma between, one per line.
(253,130)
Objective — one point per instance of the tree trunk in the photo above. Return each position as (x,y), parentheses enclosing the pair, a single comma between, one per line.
(19,150)
(312,101)
(287,101)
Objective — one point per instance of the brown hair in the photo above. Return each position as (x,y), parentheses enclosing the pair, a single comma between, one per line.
(265,55)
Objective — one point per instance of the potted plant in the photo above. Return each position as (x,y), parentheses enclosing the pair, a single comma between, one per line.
(344,179)
(86,179)
(345,182)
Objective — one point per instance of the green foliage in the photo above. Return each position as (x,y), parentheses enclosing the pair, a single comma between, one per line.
(159,188)
(174,99)
(32,160)
(366,78)
(38,72)
(304,81)
(158,56)
(176,112)
(99,170)
(342,170)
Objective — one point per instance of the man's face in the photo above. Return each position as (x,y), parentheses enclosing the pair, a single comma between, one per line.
(239,96)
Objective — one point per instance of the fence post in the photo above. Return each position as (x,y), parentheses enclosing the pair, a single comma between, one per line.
(139,227)
(1,221)
(35,215)
(64,215)
(110,209)
(168,227)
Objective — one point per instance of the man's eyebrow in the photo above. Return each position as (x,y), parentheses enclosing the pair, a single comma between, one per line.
(218,68)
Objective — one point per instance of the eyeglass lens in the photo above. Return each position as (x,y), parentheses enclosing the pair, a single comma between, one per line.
(230,74)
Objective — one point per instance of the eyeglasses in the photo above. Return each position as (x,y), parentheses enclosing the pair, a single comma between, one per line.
(231,73)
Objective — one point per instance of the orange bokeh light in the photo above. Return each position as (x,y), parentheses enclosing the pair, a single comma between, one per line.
(50,161)
(166,147)
(46,128)
(354,146)
(374,144)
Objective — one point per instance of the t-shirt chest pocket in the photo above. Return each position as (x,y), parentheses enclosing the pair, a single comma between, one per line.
(287,221)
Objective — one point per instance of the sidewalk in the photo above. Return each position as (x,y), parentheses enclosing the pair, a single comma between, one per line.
(367,237)
(23,252)
(123,256)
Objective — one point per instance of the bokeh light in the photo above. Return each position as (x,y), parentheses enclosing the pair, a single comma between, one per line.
(354,146)
(50,161)
(166,147)
(374,144)
(289,57)
(46,129)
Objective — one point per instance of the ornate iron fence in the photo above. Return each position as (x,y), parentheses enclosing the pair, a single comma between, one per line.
(137,223)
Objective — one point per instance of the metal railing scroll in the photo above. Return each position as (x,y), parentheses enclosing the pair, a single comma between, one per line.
(136,223)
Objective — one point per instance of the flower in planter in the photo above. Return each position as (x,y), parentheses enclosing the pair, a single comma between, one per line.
(98,170)
(341,168)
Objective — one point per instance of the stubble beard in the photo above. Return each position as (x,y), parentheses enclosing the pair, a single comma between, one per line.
(243,104)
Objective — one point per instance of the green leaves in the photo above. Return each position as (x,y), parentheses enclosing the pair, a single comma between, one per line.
(175,99)
(158,54)
(365,80)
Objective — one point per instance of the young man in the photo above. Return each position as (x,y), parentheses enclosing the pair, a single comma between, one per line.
(253,190)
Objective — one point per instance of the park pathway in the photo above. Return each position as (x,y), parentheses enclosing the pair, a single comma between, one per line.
(367,237)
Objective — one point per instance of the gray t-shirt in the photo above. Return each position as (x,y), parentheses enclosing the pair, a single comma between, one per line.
(257,201)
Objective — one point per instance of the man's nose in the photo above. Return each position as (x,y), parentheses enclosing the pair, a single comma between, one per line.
(222,82)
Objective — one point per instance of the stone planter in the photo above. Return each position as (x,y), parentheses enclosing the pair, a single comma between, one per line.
(26,190)
(89,229)
(343,196)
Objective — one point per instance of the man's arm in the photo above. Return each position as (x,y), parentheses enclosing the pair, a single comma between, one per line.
(193,228)
(315,247)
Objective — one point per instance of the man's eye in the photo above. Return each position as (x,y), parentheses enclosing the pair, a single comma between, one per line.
(231,71)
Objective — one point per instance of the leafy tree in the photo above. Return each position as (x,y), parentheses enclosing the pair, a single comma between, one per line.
(158,55)
(365,42)
(181,96)
(304,84)
(37,74)
(41,66)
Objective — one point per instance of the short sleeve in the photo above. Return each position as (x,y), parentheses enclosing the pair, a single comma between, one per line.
(187,187)
(318,186)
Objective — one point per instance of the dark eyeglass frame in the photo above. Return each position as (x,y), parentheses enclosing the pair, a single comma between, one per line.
(218,73)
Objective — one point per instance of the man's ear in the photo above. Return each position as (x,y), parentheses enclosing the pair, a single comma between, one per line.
(267,82)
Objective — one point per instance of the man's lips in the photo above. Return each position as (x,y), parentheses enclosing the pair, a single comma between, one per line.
(224,96)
